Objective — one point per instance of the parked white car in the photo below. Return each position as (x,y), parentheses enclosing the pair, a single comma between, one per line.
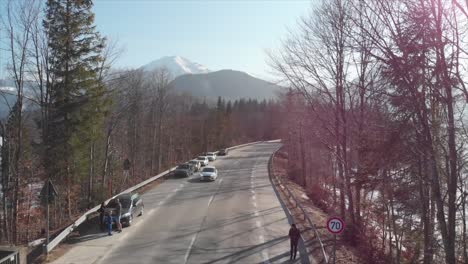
(203,160)
(209,173)
(211,156)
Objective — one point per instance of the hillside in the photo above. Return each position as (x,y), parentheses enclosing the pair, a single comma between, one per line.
(229,84)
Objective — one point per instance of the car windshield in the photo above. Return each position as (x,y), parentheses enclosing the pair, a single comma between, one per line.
(125,203)
(210,154)
(183,167)
(208,170)
(201,158)
(193,162)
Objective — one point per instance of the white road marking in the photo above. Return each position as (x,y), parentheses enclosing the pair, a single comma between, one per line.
(256,213)
(264,252)
(254,204)
(265,257)
(254,197)
(258,223)
(211,199)
(190,248)
(252,191)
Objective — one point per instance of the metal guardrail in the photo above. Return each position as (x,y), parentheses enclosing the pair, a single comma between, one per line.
(297,204)
(54,242)
(10,256)
(60,237)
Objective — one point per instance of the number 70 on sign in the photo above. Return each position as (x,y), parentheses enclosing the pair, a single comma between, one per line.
(335,225)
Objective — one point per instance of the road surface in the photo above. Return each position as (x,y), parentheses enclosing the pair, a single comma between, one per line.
(236,219)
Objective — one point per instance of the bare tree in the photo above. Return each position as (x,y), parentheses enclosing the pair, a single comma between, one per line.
(324,74)
(19,24)
(158,85)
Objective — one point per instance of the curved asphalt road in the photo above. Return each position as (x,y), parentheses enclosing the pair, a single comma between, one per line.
(236,219)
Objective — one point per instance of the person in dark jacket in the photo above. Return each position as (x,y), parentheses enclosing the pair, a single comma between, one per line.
(294,235)
(101,215)
(118,214)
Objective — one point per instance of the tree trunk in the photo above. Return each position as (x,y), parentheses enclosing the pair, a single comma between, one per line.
(425,209)
(91,172)
(106,157)
(159,145)
(303,158)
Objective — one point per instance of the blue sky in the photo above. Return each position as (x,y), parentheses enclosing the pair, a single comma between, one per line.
(218,34)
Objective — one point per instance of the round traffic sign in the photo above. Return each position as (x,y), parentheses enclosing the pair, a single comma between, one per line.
(335,225)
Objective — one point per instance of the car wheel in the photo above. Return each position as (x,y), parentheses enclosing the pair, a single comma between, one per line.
(130,220)
(141,212)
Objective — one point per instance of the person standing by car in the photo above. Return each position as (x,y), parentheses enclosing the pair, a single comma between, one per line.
(294,235)
(118,212)
(101,211)
(108,221)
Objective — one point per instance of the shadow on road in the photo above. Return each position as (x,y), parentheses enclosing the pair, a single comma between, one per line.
(238,256)
(89,230)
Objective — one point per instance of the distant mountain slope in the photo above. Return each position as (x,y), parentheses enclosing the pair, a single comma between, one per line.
(8,97)
(176,65)
(225,83)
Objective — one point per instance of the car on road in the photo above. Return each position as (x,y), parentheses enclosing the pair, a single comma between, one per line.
(203,160)
(132,205)
(222,152)
(208,173)
(211,156)
(183,170)
(196,165)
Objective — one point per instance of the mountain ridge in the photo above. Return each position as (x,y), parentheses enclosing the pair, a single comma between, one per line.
(229,84)
(176,65)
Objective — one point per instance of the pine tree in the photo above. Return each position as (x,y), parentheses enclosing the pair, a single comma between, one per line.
(76,99)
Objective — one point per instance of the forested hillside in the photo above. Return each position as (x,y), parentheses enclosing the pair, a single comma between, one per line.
(375,123)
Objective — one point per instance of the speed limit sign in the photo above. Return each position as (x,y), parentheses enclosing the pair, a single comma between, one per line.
(335,225)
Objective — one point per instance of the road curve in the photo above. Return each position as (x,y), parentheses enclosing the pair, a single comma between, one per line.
(236,219)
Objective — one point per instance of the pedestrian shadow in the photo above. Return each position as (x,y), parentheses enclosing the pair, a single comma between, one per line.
(89,230)
(241,255)
(279,257)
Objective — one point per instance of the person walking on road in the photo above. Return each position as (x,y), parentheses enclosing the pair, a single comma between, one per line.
(118,211)
(294,235)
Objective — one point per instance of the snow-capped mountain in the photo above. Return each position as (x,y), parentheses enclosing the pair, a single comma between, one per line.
(176,65)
